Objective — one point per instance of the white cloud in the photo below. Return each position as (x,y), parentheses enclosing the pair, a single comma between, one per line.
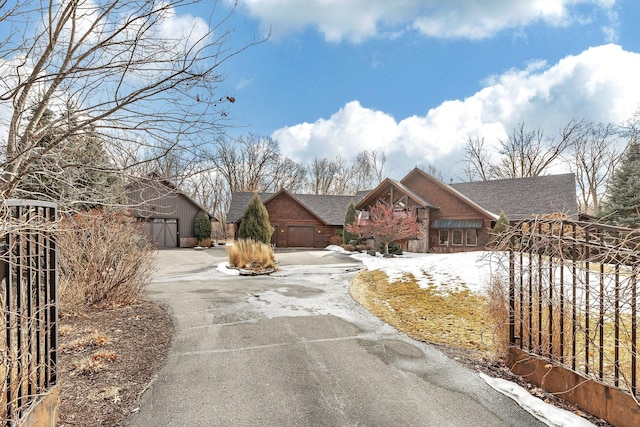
(356,20)
(599,84)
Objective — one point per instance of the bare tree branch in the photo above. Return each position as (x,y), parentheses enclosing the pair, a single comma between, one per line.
(137,79)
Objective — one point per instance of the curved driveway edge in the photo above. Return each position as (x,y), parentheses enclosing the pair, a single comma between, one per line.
(293,349)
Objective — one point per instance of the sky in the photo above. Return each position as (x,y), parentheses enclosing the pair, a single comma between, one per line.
(415,78)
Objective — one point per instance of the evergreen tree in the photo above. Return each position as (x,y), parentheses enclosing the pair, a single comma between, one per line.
(500,226)
(75,172)
(255,222)
(202,226)
(622,201)
(349,218)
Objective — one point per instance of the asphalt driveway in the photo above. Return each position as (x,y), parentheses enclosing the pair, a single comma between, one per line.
(293,349)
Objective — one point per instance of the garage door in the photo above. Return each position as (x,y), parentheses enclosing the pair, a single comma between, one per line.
(300,236)
(163,231)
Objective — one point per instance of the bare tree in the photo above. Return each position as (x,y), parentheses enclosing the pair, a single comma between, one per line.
(596,151)
(246,162)
(136,81)
(338,176)
(209,189)
(287,175)
(529,153)
(368,170)
(379,169)
(431,170)
(477,162)
(322,172)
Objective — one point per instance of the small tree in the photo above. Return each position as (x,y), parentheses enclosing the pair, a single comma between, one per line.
(255,222)
(500,227)
(202,227)
(349,218)
(622,204)
(386,225)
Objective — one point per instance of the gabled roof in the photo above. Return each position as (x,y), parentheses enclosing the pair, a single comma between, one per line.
(153,180)
(479,207)
(521,198)
(372,196)
(329,209)
(239,202)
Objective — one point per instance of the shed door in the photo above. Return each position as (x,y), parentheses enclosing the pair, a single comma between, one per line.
(301,236)
(165,232)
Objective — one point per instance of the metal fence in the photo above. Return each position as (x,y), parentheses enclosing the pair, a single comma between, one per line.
(28,305)
(573,296)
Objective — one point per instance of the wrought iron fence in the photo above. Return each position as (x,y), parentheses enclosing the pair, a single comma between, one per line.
(28,305)
(573,296)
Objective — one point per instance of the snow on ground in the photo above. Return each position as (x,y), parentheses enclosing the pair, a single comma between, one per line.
(548,414)
(455,271)
(446,271)
(223,267)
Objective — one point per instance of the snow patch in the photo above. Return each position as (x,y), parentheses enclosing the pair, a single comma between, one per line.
(223,267)
(457,271)
(548,414)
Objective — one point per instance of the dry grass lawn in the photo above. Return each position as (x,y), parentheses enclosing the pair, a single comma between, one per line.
(457,318)
(469,327)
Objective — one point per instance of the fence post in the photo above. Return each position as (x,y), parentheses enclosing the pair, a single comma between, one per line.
(512,296)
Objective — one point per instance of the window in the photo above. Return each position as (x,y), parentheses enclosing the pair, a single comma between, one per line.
(443,237)
(472,237)
(456,237)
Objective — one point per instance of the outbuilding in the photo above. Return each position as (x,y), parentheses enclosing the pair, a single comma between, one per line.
(168,214)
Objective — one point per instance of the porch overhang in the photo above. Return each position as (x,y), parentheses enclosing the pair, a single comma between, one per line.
(457,223)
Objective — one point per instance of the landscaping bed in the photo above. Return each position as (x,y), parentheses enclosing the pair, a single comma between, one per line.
(108,358)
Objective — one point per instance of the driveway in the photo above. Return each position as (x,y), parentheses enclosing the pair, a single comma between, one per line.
(293,349)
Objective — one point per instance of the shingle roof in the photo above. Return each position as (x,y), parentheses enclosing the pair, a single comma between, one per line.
(522,197)
(331,209)
(239,202)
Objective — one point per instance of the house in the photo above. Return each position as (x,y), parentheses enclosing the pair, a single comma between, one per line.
(458,217)
(169,214)
(299,220)
(519,198)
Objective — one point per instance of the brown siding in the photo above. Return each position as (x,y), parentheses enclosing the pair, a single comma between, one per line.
(152,199)
(285,212)
(450,206)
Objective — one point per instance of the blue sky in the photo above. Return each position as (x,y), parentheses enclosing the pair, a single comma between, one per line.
(414,78)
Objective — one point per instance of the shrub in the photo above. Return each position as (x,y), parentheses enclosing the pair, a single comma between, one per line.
(251,255)
(498,311)
(202,227)
(501,225)
(335,240)
(103,260)
(349,218)
(255,222)
(394,248)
